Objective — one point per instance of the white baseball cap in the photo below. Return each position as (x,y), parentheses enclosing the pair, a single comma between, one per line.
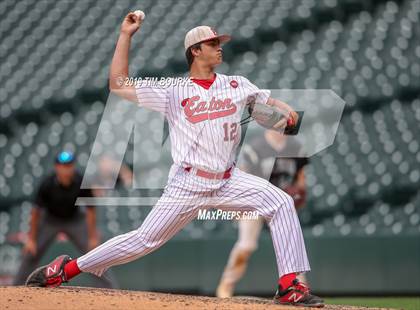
(203,33)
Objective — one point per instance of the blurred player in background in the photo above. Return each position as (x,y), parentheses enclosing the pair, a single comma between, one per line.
(258,158)
(55,212)
(108,168)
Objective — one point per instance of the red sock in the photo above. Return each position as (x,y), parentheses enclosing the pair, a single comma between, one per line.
(286,280)
(71,269)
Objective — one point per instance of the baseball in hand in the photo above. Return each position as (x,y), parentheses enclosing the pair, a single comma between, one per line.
(140,14)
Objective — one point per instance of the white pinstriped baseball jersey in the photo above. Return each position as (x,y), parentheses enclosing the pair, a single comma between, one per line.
(203,123)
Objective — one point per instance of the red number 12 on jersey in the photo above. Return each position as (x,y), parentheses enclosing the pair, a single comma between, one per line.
(230,135)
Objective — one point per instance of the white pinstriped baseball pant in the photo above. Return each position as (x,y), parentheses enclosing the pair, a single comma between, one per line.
(184,196)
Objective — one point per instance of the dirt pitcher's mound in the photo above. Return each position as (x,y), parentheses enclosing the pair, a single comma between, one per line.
(75,298)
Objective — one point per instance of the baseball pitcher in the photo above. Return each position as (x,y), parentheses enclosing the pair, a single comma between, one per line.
(204,130)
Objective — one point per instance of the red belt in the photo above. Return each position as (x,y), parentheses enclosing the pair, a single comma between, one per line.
(210,175)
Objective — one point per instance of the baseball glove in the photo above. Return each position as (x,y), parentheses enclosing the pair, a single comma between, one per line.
(272,118)
(265,115)
(298,194)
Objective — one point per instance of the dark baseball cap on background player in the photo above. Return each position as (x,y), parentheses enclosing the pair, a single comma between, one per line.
(64,168)
(202,34)
(64,158)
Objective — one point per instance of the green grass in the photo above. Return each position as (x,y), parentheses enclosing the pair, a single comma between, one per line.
(406,303)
